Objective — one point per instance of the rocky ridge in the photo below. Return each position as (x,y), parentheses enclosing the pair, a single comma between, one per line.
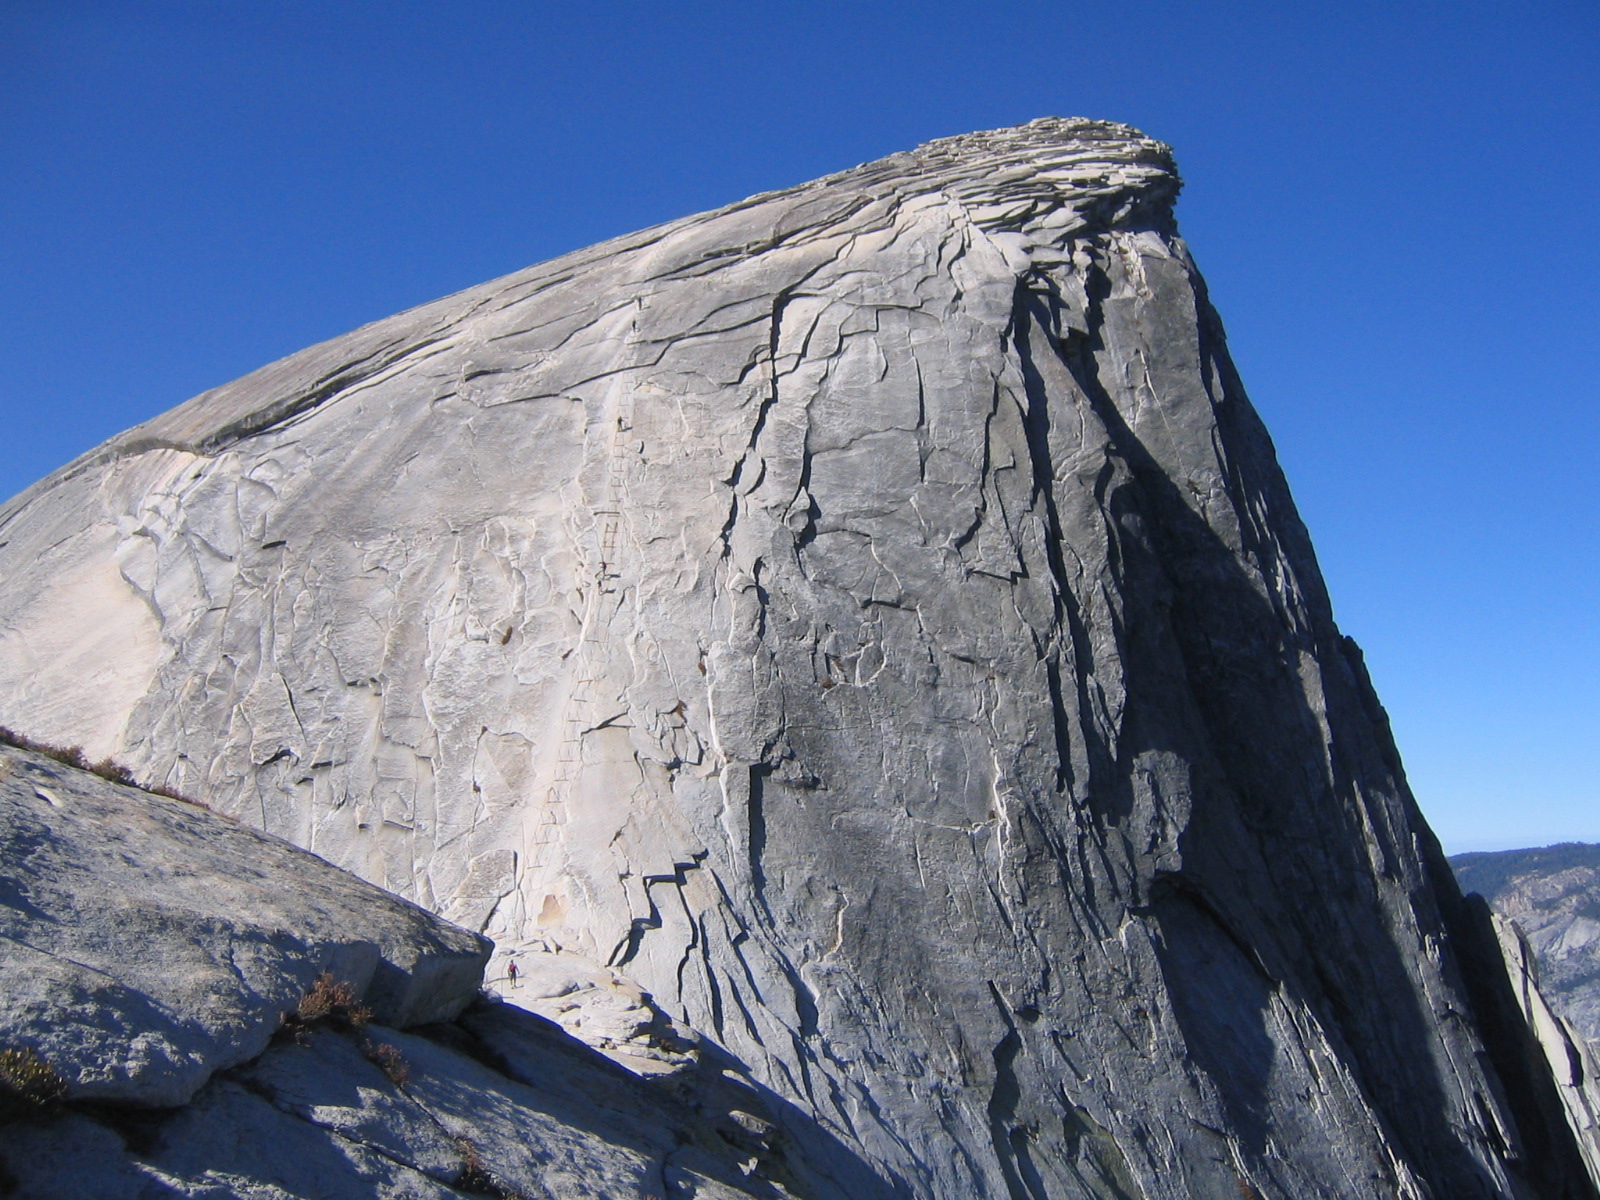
(1572,1061)
(1552,893)
(868,618)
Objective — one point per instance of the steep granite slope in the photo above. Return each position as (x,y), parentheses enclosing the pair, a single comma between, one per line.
(870,616)
(1571,1061)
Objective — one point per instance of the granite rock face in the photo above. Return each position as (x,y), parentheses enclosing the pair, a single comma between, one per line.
(148,951)
(872,618)
(148,944)
(1552,893)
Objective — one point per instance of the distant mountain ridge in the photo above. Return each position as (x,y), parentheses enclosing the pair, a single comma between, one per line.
(1553,893)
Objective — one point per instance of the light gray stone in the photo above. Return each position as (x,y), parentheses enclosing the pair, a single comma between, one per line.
(872,619)
(146,944)
(314,1118)
(189,935)
(598,1005)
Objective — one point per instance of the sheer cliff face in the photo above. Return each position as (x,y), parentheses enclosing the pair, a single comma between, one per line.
(871,616)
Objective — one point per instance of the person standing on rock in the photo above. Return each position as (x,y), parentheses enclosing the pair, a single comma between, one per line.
(511,972)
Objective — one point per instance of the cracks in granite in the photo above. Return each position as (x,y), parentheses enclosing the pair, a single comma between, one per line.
(885,644)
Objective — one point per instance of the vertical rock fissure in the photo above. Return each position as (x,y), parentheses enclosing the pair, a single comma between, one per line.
(1010,1139)
(1025,318)
(756,824)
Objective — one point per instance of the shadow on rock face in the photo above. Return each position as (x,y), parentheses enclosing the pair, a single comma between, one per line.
(1247,937)
(727,1126)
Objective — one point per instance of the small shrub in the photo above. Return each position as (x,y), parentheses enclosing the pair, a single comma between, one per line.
(73,756)
(332,1003)
(389,1060)
(476,1179)
(328,1001)
(472,1177)
(114,772)
(28,1084)
(162,789)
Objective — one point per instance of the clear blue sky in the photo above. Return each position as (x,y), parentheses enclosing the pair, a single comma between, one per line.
(1394,203)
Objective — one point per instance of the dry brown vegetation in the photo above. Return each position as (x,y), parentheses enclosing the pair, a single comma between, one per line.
(333,1003)
(476,1179)
(389,1060)
(329,1001)
(73,756)
(28,1084)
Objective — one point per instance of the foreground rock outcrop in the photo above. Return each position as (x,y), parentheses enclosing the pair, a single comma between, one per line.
(162,964)
(872,618)
(149,944)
